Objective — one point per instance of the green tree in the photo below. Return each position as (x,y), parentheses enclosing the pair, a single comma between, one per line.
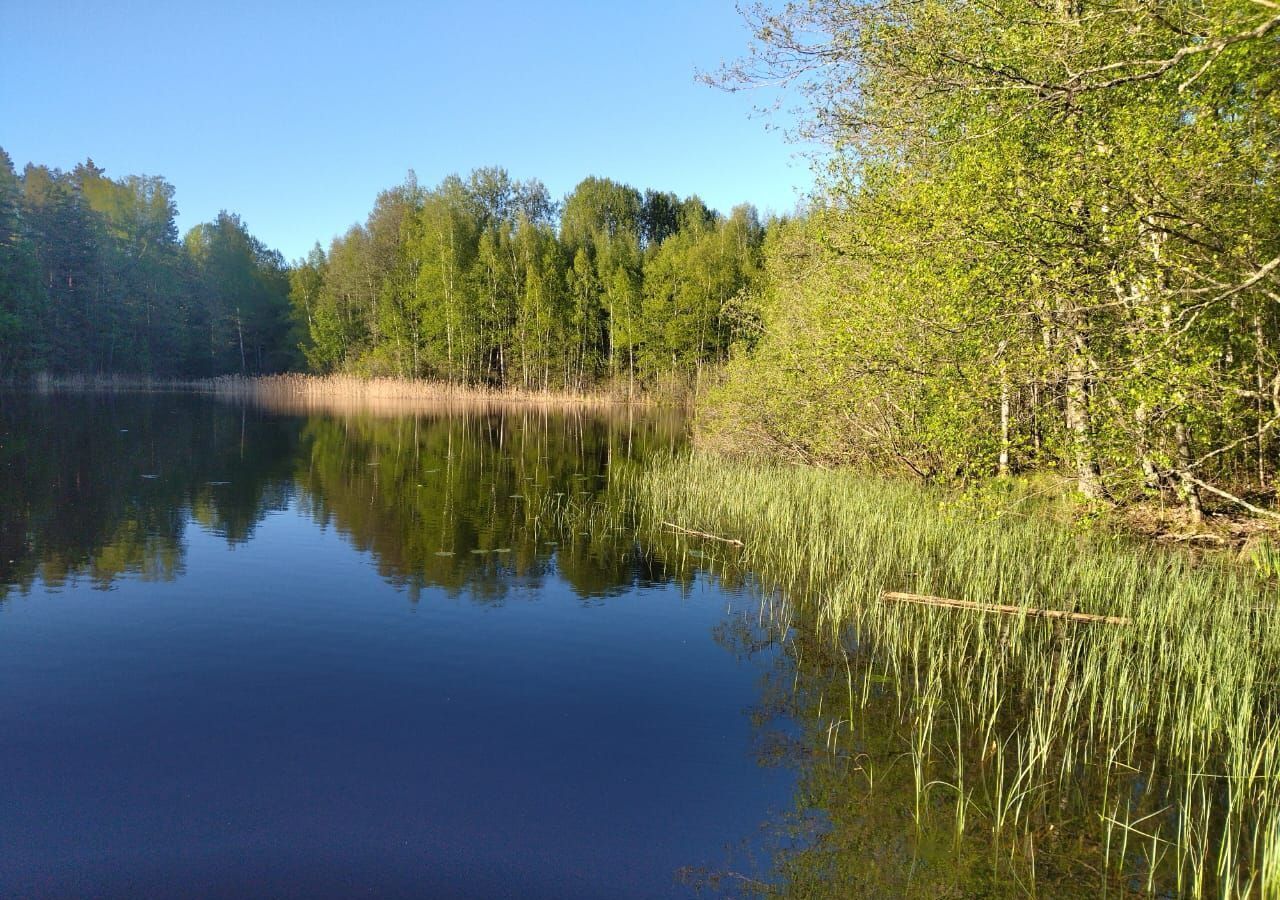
(20,294)
(1043,225)
(243,289)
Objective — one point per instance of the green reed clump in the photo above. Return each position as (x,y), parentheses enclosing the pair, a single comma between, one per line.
(1171,719)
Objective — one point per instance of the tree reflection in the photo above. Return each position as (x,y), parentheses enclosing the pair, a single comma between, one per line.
(100,487)
(476,502)
(866,822)
(104,487)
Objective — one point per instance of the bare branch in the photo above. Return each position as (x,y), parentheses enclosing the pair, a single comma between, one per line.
(1233,498)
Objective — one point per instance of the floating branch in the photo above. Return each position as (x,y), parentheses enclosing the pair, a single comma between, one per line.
(702,534)
(926,600)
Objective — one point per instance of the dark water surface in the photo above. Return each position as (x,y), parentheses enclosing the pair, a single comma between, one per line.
(245,653)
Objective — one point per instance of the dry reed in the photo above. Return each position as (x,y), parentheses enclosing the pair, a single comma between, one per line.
(294,393)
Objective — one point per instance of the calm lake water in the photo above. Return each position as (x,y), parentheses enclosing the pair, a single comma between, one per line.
(247,653)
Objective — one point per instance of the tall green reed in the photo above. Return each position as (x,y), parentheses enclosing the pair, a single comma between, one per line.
(1166,727)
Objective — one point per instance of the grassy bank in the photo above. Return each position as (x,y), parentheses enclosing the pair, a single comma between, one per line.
(1167,726)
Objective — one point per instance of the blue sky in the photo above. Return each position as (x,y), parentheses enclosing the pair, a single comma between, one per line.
(296,114)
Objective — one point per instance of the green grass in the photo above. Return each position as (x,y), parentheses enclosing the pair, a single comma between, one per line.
(1168,725)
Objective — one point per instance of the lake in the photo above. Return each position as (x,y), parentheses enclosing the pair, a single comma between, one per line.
(273,650)
(253,652)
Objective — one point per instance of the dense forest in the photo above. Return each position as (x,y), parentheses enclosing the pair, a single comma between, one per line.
(1047,236)
(94,280)
(483,280)
(486,280)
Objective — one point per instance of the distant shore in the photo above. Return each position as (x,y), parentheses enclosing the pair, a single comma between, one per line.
(343,392)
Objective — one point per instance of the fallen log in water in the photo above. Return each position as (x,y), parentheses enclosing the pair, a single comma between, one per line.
(702,534)
(950,603)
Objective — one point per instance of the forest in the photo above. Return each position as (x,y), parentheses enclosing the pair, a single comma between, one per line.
(487,280)
(480,281)
(1046,236)
(94,280)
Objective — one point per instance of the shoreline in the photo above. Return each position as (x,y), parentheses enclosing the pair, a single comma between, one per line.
(298,392)
(1222,532)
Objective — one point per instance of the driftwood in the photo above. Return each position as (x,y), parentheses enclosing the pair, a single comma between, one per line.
(926,600)
(702,534)
(1207,537)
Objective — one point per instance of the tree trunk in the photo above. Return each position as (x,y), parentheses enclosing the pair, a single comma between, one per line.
(240,336)
(1088,475)
(1150,472)
(1187,485)
(1260,385)
(1003,463)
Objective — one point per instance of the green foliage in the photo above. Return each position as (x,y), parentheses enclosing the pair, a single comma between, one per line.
(472,282)
(20,294)
(689,280)
(242,299)
(481,281)
(93,280)
(1264,556)
(1046,236)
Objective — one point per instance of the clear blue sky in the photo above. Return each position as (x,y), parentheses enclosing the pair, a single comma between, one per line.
(295,115)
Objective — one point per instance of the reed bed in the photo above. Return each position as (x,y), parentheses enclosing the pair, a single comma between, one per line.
(342,394)
(1167,724)
(391,396)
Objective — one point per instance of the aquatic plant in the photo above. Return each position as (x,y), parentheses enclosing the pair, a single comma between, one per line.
(1154,743)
